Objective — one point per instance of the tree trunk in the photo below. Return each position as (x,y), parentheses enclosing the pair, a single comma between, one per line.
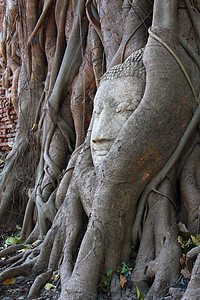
(147,180)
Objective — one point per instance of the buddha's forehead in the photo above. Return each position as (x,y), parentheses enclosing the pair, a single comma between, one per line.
(117,90)
(12,3)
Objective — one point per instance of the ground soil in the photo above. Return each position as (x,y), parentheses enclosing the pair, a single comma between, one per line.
(19,290)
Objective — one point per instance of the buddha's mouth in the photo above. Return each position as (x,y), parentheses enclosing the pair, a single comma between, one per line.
(102,146)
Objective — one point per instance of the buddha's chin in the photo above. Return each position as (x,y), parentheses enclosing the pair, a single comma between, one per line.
(99,157)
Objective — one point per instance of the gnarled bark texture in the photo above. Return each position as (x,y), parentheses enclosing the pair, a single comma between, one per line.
(150,179)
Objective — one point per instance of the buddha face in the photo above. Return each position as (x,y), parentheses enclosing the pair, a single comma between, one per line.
(114,102)
(12,7)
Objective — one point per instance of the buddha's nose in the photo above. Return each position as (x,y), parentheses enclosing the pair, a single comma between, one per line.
(102,131)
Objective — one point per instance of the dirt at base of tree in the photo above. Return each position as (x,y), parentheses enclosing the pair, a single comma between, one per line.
(19,290)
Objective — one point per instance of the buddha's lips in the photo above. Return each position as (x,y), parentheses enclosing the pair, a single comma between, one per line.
(102,146)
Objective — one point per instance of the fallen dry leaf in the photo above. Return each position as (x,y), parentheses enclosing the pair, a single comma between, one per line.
(186,273)
(9,281)
(49,286)
(182,260)
(123,282)
(54,277)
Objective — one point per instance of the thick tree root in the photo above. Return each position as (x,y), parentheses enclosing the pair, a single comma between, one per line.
(64,184)
(191,257)
(41,19)
(27,264)
(46,257)
(39,283)
(157,264)
(11,249)
(11,260)
(20,259)
(193,289)
(190,195)
(72,295)
(22,270)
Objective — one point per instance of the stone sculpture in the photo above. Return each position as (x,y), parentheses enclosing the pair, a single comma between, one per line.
(113,103)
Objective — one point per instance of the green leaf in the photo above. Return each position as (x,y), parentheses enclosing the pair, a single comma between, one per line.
(18,227)
(11,241)
(28,246)
(125,270)
(109,276)
(140,294)
(188,241)
(105,280)
(19,240)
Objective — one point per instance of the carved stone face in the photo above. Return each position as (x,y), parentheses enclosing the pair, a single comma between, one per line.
(12,7)
(114,102)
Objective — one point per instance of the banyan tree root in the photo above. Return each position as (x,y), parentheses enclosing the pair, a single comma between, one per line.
(39,282)
(193,289)
(83,91)
(20,268)
(157,263)
(64,184)
(58,139)
(190,195)
(149,265)
(40,261)
(47,256)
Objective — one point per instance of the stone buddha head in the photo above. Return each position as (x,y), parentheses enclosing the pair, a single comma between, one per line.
(12,6)
(119,94)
